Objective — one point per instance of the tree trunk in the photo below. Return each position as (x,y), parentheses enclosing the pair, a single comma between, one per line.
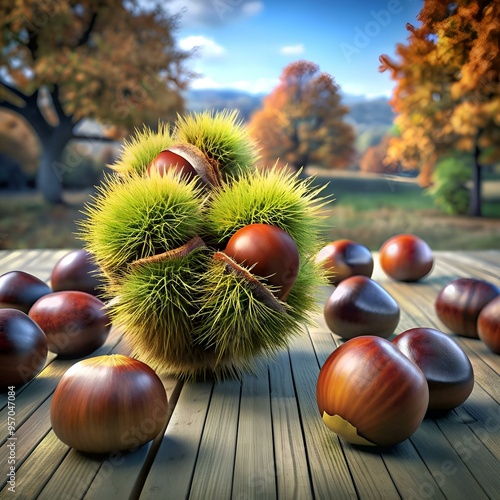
(475,195)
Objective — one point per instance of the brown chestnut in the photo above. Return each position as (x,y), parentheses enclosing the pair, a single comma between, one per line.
(369,393)
(23,348)
(75,323)
(169,161)
(406,257)
(488,325)
(269,252)
(360,306)
(446,367)
(78,271)
(459,303)
(20,290)
(344,258)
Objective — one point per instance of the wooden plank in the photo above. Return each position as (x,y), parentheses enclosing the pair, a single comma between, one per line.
(409,473)
(171,473)
(27,438)
(474,454)
(213,474)
(450,473)
(292,472)
(72,477)
(366,465)
(484,421)
(254,468)
(330,474)
(37,469)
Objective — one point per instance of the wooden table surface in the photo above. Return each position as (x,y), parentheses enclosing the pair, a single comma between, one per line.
(262,436)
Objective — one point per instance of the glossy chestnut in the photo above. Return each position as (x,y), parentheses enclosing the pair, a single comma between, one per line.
(360,306)
(446,367)
(488,325)
(459,303)
(344,258)
(406,257)
(269,252)
(20,290)
(75,323)
(108,403)
(23,348)
(78,271)
(169,161)
(369,393)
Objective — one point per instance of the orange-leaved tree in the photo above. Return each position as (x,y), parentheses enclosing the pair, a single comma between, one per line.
(62,62)
(302,121)
(375,158)
(447,93)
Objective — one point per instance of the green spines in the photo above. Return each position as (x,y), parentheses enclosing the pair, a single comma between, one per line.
(188,309)
(271,197)
(134,216)
(142,148)
(221,137)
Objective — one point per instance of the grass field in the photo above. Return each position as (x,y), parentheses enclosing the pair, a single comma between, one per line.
(368,209)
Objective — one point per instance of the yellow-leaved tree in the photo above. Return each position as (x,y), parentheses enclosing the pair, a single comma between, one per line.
(62,62)
(447,93)
(302,121)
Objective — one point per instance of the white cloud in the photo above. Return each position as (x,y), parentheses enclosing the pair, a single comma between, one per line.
(250,9)
(258,86)
(206,47)
(292,50)
(196,13)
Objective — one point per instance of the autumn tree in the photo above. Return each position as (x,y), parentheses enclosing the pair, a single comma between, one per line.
(375,158)
(447,93)
(302,121)
(64,61)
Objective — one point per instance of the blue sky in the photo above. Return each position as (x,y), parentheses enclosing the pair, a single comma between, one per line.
(245,44)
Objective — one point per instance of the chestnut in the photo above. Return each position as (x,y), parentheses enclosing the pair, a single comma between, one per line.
(75,323)
(168,160)
(406,257)
(488,325)
(459,303)
(108,403)
(78,271)
(446,367)
(344,258)
(23,348)
(360,306)
(369,393)
(269,252)
(20,290)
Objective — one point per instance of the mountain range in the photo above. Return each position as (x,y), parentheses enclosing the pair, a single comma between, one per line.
(363,112)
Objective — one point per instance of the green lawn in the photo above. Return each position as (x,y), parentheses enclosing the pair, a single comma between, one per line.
(367,209)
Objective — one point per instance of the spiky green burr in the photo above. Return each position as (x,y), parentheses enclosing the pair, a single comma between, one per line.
(134,217)
(187,308)
(221,137)
(273,197)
